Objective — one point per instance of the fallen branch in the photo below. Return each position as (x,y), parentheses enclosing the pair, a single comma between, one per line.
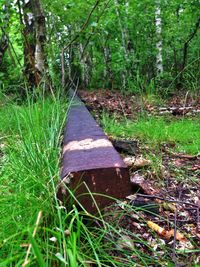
(175,232)
(181,156)
(168,200)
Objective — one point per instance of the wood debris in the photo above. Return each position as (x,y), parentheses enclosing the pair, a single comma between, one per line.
(164,233)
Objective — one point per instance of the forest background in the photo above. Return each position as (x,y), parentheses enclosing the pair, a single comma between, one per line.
(135,46)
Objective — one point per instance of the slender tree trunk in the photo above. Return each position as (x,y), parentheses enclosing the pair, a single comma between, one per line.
(4,42)
(40,36)
(3,46)
(108,75)
(33,22)
(85,71)
(106,61)
(27,24)
(186,44)
(124,43)
(63,67)
(176,67)
(159,59)
(122,30)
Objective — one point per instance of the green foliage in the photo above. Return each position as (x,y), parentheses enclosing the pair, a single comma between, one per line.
(119,41)
(11,67)
(127,31)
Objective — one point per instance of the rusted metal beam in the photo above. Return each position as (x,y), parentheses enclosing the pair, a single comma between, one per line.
(91,162)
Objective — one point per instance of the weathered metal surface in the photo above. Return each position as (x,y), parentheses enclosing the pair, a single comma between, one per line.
(91,159)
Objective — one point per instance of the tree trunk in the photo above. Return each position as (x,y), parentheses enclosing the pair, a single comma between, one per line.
(122,29)
(125,73)
(186,44)
(4,42)
(3,46)
(33,21)
(40,36)
(85,63)
(159,59)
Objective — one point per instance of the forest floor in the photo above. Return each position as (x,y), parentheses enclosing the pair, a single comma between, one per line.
(156,226)
(159,140)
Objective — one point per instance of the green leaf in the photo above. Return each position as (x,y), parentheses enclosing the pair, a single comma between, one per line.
(37,252)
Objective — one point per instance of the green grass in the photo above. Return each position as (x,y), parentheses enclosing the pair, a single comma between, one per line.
(184,132)
(30,141)
(30,154)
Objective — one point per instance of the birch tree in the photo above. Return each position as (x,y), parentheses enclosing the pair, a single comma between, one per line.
(32,19)
(124,41)
(159,46)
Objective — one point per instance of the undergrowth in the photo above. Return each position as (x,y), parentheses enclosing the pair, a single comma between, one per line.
(30,137)
(183,133)
(30,141)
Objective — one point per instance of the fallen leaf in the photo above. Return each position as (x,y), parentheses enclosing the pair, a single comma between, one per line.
(180,237)
(161,231)
(179,163)
(169,206)
(137,162)
(196,167)
(166,234)
(184,245)
(137,179)
(143,185)
(137,225)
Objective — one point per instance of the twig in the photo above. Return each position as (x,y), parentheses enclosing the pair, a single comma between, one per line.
(186,44)
(174,240)
(26,261)
(181,156)
(175,232)
(198,215)
(168,200)
(97,21)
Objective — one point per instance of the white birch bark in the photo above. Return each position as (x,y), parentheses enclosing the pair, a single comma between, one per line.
(159,46)
(123,32)
(106,56)
(63,67)
(40,35)
(85,68)
(124,42)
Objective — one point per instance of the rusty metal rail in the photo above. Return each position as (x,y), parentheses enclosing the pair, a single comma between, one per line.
(90,162)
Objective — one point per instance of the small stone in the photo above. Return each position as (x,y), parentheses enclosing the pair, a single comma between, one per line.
(53,239)
(67,232)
